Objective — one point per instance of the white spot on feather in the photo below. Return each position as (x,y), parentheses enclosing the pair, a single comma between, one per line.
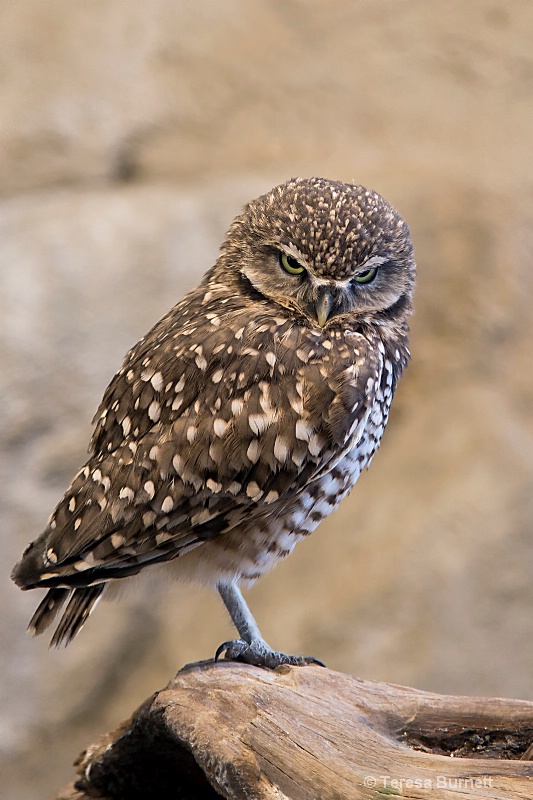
(253,491)
(214,320)
(271,496)
(257,423)
(220,427)
(154,411)
(237,406)
(200,360)
(297,405)
(315,445)
(260,422)
(253,451)
(298,458)
(304,431)
(167,504)
(157,381)
(79,566)
(281,449)
(149,488)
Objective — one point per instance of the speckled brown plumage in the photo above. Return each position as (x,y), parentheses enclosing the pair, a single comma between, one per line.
(247,413)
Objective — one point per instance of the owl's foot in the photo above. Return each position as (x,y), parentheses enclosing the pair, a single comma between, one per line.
(260,654)
(251,648)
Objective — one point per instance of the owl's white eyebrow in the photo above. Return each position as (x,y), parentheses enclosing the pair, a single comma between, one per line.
(293,251)
(374,261)
(371,263)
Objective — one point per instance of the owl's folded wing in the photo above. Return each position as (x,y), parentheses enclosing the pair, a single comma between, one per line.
(194,438)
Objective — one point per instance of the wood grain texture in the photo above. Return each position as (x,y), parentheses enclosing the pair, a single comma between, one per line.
(239,732)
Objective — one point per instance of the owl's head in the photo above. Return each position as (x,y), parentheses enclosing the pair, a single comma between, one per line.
(330,252)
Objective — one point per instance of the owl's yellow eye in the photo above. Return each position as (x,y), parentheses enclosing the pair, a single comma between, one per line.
(367,276)
(290,264)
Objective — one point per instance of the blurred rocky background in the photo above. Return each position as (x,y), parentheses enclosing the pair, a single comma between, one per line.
(130,135)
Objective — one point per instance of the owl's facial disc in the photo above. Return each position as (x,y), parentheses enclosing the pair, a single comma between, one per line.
(283,275)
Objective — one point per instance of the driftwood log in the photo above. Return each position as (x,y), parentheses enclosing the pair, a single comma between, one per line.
(307,733)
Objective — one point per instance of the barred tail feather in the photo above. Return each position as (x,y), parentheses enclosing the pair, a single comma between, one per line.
(80,605)
(47,610)
(76,613)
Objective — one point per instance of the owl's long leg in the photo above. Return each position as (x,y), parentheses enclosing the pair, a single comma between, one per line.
(240,614)
(251,647)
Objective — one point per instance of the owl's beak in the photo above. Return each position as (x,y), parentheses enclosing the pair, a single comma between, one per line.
(324,305)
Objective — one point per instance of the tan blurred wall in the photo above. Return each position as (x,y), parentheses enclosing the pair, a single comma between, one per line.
(130,134)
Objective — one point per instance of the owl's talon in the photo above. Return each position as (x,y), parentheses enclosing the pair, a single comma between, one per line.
(260,655)
(312,660)
(225,647)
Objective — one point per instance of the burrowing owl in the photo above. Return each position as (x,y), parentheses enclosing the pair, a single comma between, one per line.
(245,415)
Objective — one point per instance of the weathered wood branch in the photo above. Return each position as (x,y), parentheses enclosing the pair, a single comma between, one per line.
(307,733)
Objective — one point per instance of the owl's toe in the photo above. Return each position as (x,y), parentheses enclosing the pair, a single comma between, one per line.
(261,655)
